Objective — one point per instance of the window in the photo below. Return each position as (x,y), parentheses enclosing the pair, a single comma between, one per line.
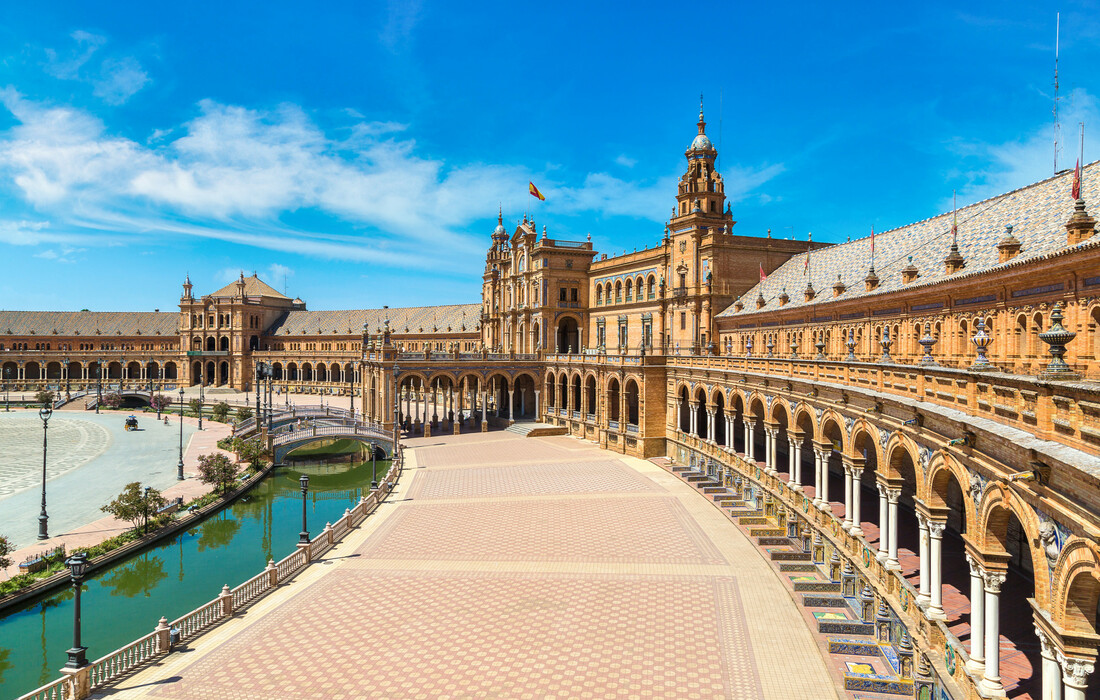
(561,294)
(683,279)
(683,321)
(599,295)
(573,294)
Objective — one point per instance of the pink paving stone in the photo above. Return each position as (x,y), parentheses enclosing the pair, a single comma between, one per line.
(551,478)
(402,634)
(580,530)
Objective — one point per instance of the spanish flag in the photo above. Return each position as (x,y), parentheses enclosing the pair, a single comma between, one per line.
(1075,192)
(535,191)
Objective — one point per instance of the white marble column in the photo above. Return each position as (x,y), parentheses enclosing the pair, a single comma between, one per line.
(484,403)
(991,679)
(892,496)
(817,477)
(537,417)
(935,608)
(729,432)
(883,524)
(796,445)
(693,419)
(790,462)
(747,436)
(823,457)
(1075,677)
(711,414)
(857,507)
(924,591)
(846,524)
(976,665)
(1051,669)
(511,403)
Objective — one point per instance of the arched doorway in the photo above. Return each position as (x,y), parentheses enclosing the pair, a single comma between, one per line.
(568,336)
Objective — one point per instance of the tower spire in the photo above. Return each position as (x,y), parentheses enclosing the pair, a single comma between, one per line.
(702,122)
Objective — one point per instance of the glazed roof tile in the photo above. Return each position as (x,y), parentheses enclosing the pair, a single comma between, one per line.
(88,323)
(417,320)
(1037,213)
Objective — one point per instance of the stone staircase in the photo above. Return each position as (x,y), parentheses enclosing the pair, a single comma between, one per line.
(857,638)
(533,429)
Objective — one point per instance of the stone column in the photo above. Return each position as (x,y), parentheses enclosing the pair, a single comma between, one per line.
(817,477)
(796,484)
(824,459)
(537,405)
(924,592)
(522,403)
(1075,677)
(857,514)
(892,496)
(511,403)
(1052,670)
(729,432)
(483,404)
(711,413)
(935,609)
(976,665)
(750,446)
(991,679)
(746,432)
(693,419)
(846,524)
(883,524)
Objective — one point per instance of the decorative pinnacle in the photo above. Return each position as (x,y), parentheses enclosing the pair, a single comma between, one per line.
(702,123)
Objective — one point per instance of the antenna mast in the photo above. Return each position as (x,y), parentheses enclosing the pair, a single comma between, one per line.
(1057,127)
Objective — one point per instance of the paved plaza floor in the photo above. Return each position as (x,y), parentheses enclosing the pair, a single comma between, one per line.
(90,458)
(510,567)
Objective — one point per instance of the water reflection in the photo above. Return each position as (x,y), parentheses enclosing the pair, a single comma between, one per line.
(124,601)
(141,575)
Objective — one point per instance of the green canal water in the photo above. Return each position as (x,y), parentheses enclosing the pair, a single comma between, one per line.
(124,602)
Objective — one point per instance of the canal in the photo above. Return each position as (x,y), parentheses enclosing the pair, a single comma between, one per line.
(124,602)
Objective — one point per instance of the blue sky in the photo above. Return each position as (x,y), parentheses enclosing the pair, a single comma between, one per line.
(359,150)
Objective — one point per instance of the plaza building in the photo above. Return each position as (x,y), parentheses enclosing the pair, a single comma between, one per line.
(917,416)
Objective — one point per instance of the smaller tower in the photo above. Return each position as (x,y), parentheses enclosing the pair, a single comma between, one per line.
(187,288)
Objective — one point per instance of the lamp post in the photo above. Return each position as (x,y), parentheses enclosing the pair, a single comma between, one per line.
(259,378)
(396,408)
(78,566)
(44,413)
(373,467)
(179,465)
(202,383)
(98,384)
(7,380)
(303,537)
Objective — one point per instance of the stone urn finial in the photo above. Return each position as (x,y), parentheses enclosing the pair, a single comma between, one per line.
(1057,338)
(926,342)
(982,341)
(851,343)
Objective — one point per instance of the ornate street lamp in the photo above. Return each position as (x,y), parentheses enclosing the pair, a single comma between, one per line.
(259,378)
(202,396)
(374,467)
(7,380)
(396,409)
(78,566)
(303,481)
(44,413)
(179,465)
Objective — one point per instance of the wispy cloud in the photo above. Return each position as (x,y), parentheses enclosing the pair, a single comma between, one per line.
(989,169)
(116,80)
(626,161)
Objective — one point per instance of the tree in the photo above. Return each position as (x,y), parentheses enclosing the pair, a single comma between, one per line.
(220,411)
(196,406)
(252,451)
(217,469)
(136,504)
(44,397)
(112,400)
(159,402)
(244,413)
(6,548)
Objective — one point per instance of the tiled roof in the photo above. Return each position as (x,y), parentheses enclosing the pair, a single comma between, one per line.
(1037,213)
(415,320)
(253,287)
(89,323)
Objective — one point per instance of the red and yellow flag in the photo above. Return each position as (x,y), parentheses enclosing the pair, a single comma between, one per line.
(535,191)
(762,275)
(1076,192)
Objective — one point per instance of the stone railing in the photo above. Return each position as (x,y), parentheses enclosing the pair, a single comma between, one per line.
(1067,412)
(849,559)
(79,684)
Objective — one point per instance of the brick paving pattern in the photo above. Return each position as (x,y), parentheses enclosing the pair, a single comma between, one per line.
(72,443)
(518,569)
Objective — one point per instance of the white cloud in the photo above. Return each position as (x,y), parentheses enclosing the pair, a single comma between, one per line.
(62,255)
(277,272)
(119,80)
(626,161)
(234,174)
(991,169)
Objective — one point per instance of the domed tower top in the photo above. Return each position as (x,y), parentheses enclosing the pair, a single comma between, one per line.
(701,189)
(500,233)
(701,145)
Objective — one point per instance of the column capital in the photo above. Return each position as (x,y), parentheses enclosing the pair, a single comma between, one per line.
(892,495)
(936,528)
(993,580)
(1048,649)
(1075,672)
(881,489)
(922,521)
(975,566)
